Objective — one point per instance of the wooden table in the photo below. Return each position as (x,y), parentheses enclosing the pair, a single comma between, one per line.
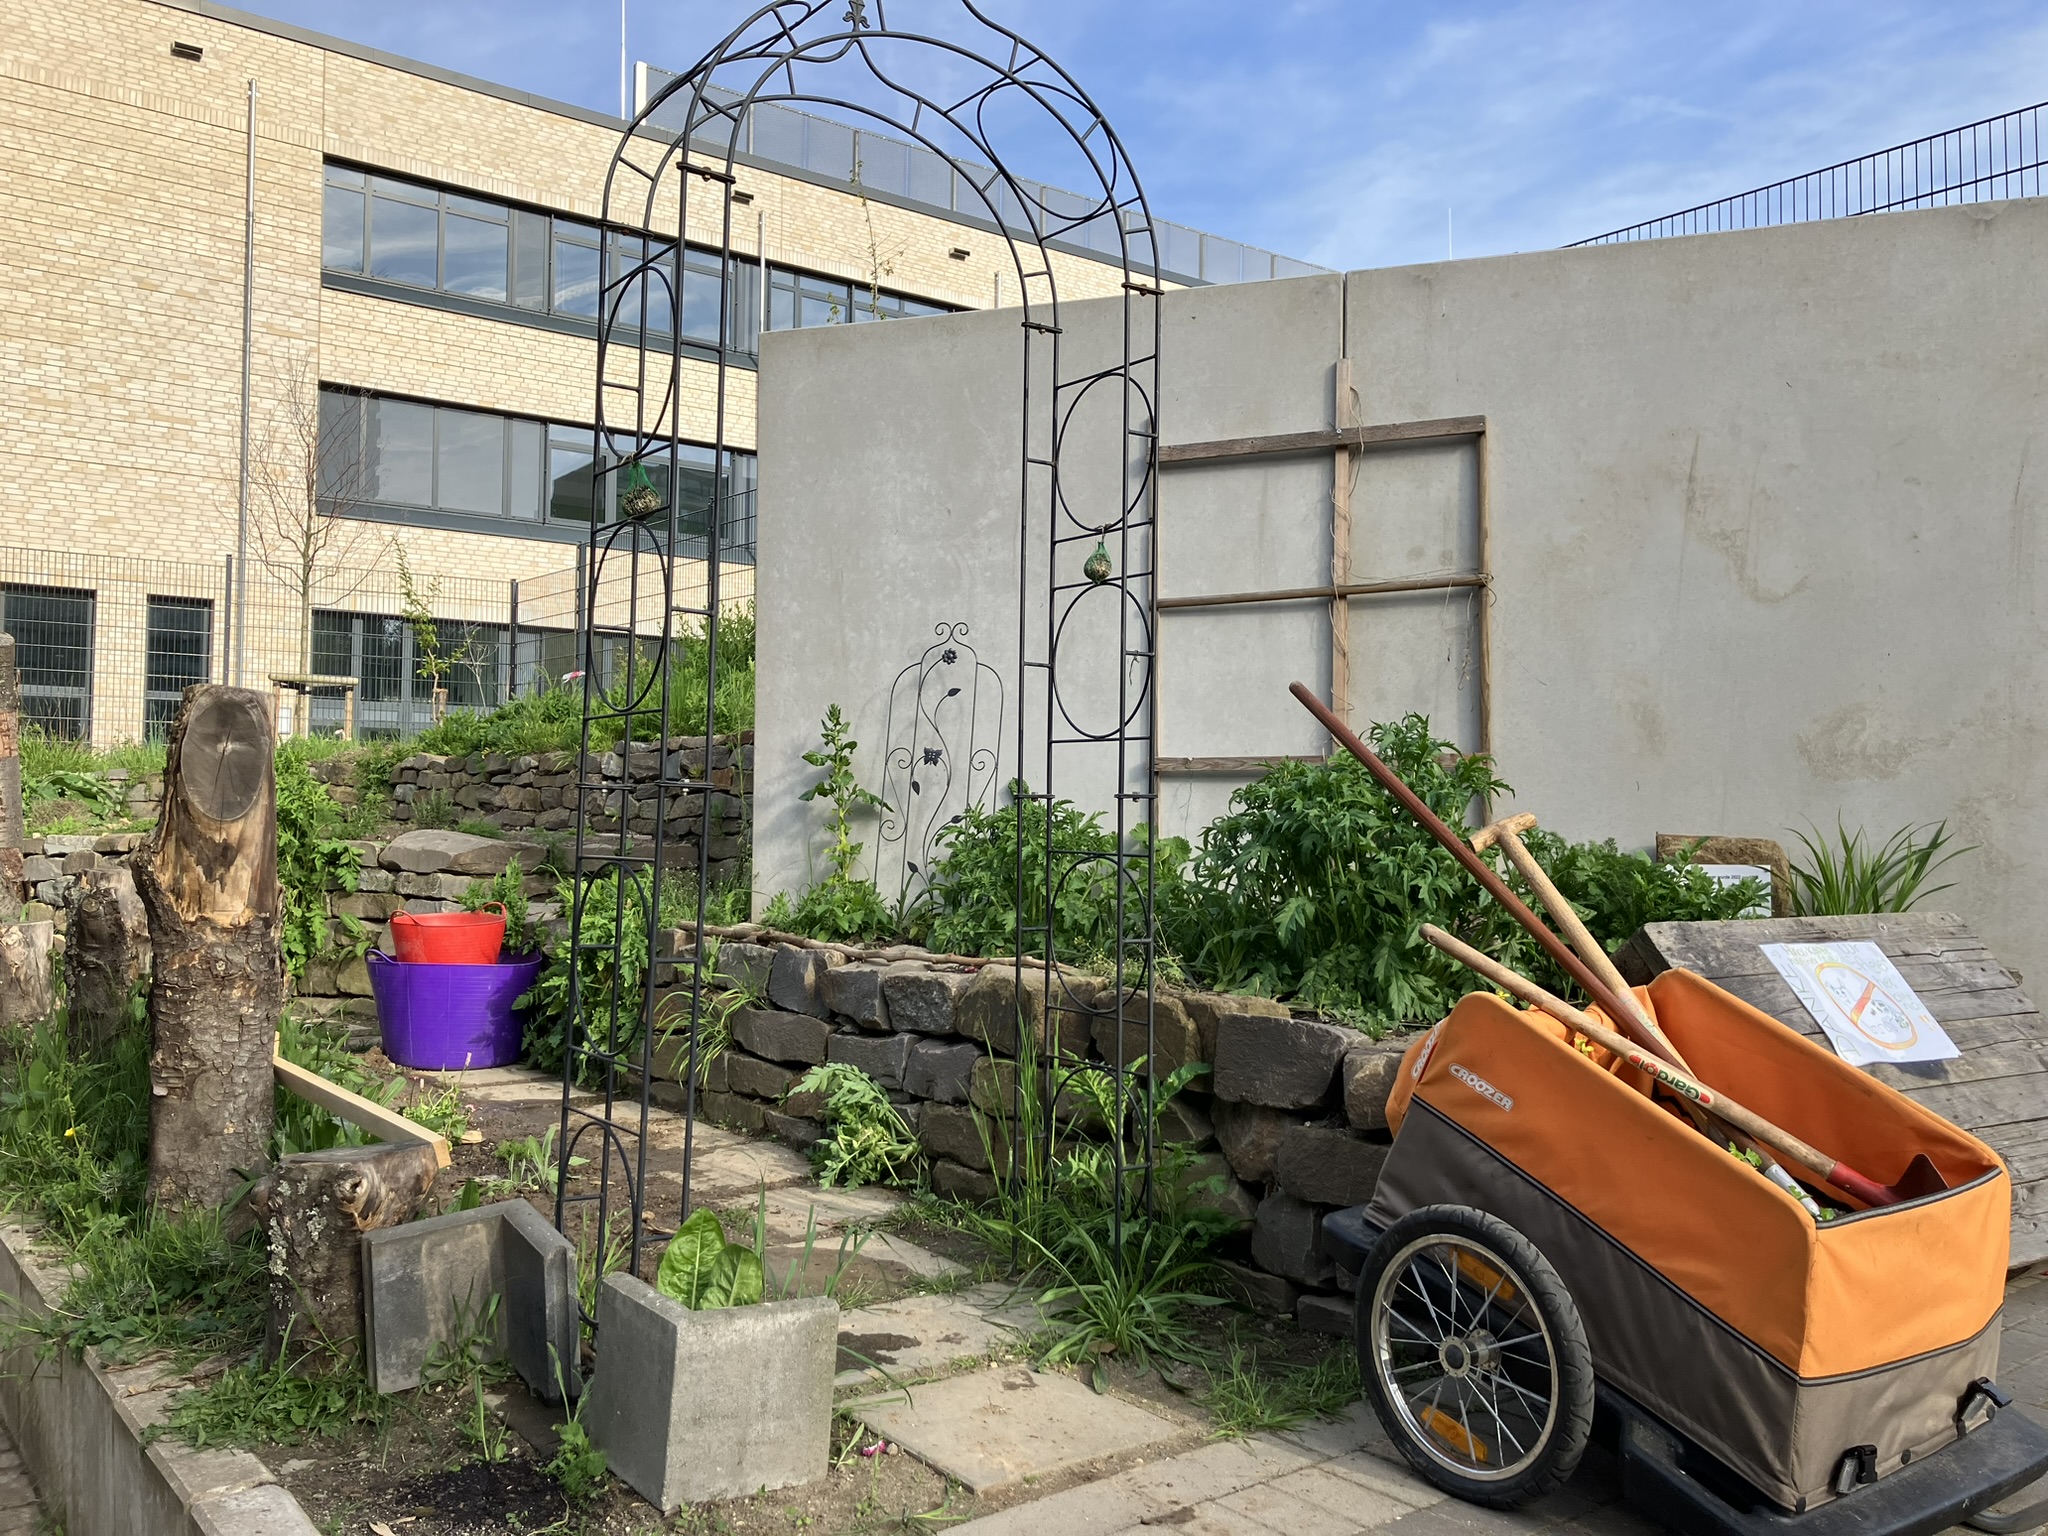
(1997,1090)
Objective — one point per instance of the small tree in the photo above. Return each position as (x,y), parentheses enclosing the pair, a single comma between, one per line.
(432,658)
(301,488)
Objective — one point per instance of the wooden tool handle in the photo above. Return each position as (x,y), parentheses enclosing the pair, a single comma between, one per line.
(1687,1087)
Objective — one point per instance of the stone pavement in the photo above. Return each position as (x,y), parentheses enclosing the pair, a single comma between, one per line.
(19,1508)
(1344,1478)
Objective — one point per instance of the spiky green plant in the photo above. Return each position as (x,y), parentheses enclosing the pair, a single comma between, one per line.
(1848,873)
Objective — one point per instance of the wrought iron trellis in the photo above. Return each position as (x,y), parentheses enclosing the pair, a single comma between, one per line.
(939,753)
(1088,451)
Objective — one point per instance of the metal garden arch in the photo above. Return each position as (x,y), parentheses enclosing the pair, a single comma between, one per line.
(1086,612)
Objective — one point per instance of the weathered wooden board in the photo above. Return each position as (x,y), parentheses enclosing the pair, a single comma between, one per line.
(1997,1089)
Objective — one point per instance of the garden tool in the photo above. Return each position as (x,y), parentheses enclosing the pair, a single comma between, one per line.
(1861,1188)
(1507,833)
(1817,1163)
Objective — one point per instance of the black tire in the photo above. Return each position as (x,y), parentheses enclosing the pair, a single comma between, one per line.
(1474,1356)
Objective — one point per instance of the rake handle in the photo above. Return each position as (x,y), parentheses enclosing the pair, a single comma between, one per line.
(1686,1086)
(1598,990)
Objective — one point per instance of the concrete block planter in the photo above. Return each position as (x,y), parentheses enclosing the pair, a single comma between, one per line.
(690,1406)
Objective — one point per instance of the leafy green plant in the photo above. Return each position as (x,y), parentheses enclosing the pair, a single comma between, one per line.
(282,1404)
(842,906)
(312,858)
(1131,1302)
(531,1163)
(1245,1399)
(973,894)
(300,1126)
(609,990)
(578,1465)
(870,1143)
(1846,873)
(508,889)
(1616,892)
(702,1268)
(1316,883)
(434,811)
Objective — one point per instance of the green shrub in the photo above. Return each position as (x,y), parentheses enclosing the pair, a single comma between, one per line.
(313,857)
(1617,892)
(1316,882)
(842,907)
(870,1143)
(1845,874)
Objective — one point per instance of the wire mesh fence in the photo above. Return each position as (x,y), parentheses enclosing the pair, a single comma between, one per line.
(1980,162)
(107,644)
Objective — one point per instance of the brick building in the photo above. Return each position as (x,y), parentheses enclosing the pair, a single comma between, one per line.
(423,299)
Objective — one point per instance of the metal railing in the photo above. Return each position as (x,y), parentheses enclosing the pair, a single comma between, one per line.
(1981,162)
(107,644)
(880,162)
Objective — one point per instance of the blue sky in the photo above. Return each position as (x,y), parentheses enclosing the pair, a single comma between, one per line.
(1341,131)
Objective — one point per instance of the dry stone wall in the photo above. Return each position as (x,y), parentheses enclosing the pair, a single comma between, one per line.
(1289,1124)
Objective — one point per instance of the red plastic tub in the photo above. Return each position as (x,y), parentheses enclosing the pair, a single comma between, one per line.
(449,938)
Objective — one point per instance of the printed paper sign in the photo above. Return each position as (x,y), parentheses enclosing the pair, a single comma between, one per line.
(1858,997)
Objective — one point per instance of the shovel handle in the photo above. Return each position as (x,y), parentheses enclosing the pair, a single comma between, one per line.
(1687,1087)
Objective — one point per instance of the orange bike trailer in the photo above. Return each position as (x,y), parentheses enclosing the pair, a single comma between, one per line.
(1758,1367)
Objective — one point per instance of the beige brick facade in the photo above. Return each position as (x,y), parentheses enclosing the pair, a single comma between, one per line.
(121,257)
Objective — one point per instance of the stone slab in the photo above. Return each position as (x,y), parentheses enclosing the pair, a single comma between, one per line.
(918,1335)
(992,1429)
(428,1282)
(797,1039)
(921,999)
(793,981)
(1281,1063)
(1327,1166)
(689,1406)
(940,1071)
(882,1057)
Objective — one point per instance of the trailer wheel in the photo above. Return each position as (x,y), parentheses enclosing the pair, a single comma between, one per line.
(1474,1356)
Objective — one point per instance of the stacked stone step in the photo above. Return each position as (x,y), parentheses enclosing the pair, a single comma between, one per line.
(537,793)
(1288,1125)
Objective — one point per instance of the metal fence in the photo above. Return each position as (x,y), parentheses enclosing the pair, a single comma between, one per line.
(1997,158)
(883,163)
(106,644)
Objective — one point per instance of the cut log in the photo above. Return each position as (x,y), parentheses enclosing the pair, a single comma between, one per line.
(106,954)
(315,1207)
(13,887)
(208,878)
(27,995)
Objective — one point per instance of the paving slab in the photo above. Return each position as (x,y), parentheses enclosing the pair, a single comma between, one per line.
(918,1335)
(991,1429)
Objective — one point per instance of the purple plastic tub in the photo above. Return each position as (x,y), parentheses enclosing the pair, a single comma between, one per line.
(448,1017)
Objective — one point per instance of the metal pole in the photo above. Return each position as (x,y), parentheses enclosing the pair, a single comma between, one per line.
(229,629)
(241,602)
(625,110)
(512,645)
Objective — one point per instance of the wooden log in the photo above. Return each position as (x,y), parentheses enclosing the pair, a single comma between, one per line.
(315,1207)
(106,955)
(27,994)
(208,878)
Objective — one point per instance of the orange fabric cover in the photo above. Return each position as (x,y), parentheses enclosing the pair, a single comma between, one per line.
(1823,1299)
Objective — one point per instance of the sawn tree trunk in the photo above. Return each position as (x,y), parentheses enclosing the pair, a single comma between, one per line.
(208,878)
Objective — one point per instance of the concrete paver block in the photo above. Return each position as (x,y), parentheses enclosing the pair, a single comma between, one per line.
(919,1334)
(690,1406)
(990,1429)
(265,1511)
(426,1281)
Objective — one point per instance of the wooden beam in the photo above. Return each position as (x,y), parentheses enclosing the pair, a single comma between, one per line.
(1187,767)
(385,1124)
(1349,589)
(1323,440)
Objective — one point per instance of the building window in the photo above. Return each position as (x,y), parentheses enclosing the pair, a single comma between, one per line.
(394,697)
(428,237)
(53,653)
(180,653)
(380,454)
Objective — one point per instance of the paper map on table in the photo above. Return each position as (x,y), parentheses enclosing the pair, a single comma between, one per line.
(1857,995)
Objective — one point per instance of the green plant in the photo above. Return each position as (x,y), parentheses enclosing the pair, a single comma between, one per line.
(1316,883)
(281,1404)
(434,811)
(703,1268)
(312,858)
(842,906)
(301,1126)
(607,989)
(57,768)
(476,826)
(870,1143)
(1244,1399)
(1127,1299)
(973,896)
(1617,892)
(579,1466)
(508,889)
(531,1163)
(432,658)
(1846,874)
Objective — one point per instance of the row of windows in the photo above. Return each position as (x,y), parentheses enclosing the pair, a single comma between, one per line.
(55,633)
(54,630)
(380,451)
(426,237)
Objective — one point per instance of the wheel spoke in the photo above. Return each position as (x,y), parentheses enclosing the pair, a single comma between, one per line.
(1422,1335)
(1444,1327)
(1493,1406)
(1520,1338)
(1515,1386)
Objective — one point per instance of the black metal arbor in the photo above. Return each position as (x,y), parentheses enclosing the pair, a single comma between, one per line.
(650,777)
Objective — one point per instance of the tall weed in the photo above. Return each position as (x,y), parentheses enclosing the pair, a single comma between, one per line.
(1847,873)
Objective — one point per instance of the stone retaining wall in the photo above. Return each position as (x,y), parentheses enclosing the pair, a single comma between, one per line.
(1291,1119)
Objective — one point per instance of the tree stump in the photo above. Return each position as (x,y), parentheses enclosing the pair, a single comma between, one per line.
(106,952)
(315,1207)
(27,995)
(13,888)
(208,879)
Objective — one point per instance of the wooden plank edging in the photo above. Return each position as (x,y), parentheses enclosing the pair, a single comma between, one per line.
(366,1114)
